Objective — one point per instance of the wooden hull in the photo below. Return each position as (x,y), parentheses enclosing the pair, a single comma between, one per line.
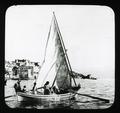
(37,97)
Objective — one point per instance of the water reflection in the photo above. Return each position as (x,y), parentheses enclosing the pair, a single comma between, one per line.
(45,105)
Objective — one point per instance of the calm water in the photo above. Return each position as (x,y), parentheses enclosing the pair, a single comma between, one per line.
(103,88)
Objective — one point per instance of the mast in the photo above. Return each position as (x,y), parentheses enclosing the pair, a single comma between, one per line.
(64,50)
(55,53)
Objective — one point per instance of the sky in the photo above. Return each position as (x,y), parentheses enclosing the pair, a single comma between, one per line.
(88,33)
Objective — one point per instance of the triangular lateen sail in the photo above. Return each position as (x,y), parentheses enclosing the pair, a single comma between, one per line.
(55,64)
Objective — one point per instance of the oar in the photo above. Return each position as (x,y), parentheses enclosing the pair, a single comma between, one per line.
(10,96)
(102,99)
(40,88)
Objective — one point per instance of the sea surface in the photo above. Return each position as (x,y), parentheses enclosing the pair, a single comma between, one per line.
(102,88)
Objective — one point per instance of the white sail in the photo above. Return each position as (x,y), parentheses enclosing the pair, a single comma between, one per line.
(55,65)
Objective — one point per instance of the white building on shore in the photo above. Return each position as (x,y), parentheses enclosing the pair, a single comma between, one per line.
(21,69)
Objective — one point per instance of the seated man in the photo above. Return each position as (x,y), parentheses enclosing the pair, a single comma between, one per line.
(24,89)
(17,86)
(46,88)
(62,91)
(55,90)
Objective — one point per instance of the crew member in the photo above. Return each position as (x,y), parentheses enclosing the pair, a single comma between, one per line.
(24,89)
(17,86)
(55,90)
(46,88)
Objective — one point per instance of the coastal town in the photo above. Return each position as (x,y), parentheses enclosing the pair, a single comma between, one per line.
(21,69)
(25,69)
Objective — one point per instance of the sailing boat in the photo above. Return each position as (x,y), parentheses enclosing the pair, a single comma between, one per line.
(55,68)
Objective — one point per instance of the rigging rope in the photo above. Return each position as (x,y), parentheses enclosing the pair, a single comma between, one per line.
(47,43)
(46,47)
(56,74)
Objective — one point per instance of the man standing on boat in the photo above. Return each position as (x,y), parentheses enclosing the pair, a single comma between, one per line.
(34,85)
(33,89)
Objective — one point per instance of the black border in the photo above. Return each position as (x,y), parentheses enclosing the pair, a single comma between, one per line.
(3,7)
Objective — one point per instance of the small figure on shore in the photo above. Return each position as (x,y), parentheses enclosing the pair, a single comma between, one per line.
(35,77)
(17,86)
(79,86)
(46,88)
